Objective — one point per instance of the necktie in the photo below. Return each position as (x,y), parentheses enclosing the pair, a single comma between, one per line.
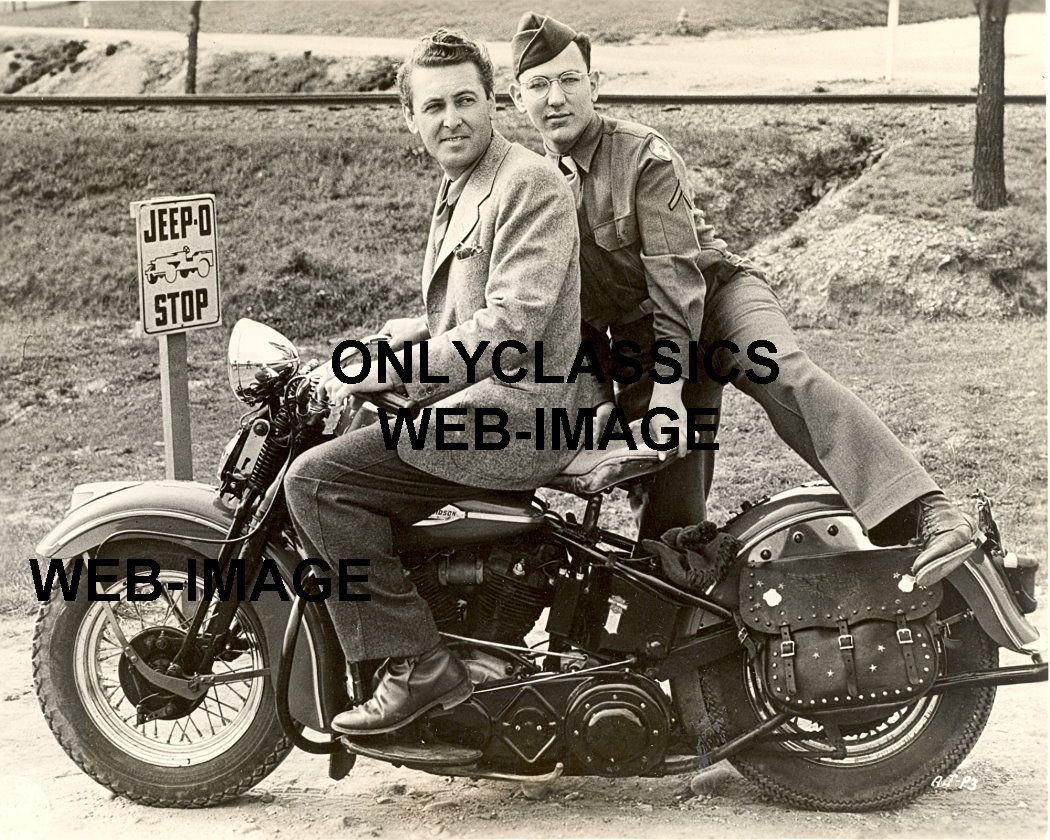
(567,167)
(441,216)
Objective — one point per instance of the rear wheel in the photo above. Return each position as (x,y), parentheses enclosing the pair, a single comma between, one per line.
(135,738)
(890,758)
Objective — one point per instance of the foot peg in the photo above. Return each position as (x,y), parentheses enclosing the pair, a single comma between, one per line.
(412,753)
(941,567)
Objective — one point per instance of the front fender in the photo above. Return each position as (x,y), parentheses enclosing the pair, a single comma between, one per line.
(187,511)
(181,509)
(814,520)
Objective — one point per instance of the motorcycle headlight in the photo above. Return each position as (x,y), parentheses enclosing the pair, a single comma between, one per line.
(258,354)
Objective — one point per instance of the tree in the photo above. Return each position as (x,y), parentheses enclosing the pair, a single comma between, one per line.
(989,177)
(191,52)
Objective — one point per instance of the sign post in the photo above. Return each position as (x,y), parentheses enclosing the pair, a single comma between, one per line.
(178,292)
(893,15)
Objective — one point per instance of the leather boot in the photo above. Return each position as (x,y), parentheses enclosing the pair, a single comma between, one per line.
(948,539)
(408,688)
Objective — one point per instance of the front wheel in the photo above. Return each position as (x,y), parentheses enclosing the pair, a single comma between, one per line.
(135,739)
(890,758)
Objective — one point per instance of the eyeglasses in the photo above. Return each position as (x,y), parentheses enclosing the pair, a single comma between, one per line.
(540,86)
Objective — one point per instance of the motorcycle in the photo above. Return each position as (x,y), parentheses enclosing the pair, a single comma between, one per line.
(812,662)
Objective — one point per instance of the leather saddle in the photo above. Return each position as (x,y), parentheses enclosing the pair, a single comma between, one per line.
(595,470)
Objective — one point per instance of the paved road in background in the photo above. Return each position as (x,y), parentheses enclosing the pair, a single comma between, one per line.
(935,57)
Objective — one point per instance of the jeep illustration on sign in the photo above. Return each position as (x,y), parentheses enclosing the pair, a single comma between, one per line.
(180,264)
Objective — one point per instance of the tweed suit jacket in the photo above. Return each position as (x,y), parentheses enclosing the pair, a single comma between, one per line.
(508,268)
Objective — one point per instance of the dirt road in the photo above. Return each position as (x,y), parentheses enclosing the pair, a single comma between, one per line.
(1001,791)
(939,56)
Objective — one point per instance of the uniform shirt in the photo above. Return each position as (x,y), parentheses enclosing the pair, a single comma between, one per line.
(643,245)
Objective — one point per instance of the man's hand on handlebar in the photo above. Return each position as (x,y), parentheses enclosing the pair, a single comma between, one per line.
(328,387)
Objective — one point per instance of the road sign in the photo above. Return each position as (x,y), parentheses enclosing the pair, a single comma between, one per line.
(178,263)
(178,284)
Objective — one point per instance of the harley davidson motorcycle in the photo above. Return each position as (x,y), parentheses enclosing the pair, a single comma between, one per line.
(814,664)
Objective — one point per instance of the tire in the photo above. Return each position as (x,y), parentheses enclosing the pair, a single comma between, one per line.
(74,673)
(892,759)
(203,268)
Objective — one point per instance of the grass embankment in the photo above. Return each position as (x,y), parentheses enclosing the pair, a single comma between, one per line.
(323,214)
(610,20)
(322,220)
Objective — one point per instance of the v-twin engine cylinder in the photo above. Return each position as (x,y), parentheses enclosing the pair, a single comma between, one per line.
(495,593)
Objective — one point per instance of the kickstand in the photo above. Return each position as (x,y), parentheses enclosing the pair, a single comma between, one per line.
(340,763)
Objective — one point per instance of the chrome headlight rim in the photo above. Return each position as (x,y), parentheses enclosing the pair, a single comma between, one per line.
(257,356)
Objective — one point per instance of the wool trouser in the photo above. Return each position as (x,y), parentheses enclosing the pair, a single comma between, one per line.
(828,425)
(347,497)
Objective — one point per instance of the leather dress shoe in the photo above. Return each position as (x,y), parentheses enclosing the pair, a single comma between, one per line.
(408,688)
(949,536)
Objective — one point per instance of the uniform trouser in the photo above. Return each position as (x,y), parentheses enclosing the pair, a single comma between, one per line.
(345,497)
(831,428)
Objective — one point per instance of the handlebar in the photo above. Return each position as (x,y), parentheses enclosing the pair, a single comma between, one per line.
(316,408)
(391,400)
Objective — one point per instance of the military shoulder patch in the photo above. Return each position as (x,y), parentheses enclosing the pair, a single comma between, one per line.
(660,149)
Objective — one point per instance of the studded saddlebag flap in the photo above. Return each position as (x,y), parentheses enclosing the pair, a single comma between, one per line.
(842,631)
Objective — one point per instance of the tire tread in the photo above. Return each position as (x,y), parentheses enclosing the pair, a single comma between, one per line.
(65,734)
(776,789)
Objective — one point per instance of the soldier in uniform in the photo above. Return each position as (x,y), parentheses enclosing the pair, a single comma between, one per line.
(651,270)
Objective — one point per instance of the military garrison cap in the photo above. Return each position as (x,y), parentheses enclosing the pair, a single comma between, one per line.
(539,39)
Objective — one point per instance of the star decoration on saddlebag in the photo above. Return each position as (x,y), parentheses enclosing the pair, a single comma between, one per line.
(831,673)
(873,668)
(816,655)
(881,648)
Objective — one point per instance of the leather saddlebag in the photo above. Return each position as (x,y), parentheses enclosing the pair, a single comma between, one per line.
(842,631)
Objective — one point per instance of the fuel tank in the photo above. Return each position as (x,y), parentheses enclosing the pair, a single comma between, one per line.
(496,517)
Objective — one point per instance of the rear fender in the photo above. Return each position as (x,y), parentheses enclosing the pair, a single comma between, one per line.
(187,512)
(813,520)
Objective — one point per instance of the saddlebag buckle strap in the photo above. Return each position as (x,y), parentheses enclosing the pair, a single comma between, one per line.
(787,658)
(744,637)
(906,642)
(846,649)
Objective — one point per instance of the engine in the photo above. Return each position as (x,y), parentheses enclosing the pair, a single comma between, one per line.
(608,725)
(494,592)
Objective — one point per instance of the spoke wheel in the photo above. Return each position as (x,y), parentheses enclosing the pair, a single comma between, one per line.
(114,693)
(891,757)
(138,739)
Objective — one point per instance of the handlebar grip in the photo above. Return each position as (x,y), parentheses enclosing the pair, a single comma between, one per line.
(390,399)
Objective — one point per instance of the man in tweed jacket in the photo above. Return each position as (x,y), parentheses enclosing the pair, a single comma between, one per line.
(501,264)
